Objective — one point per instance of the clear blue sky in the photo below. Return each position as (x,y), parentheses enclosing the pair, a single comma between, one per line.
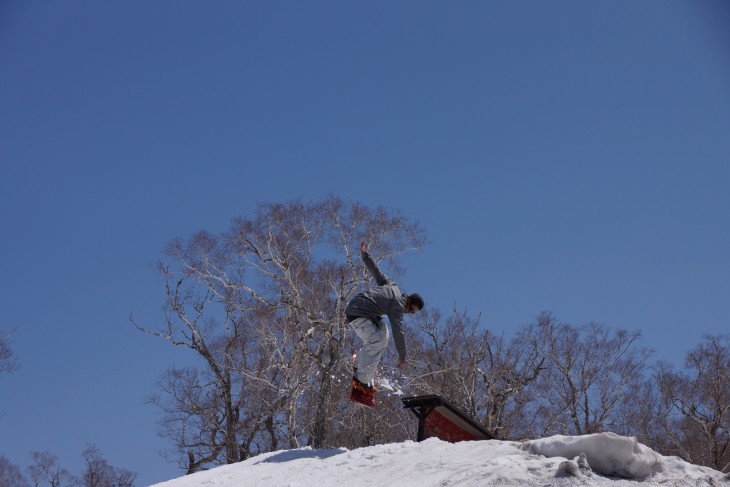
(568,156)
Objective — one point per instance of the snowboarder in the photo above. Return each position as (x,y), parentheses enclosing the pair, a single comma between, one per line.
(364,314)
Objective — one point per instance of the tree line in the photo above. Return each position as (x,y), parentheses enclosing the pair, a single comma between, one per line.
(260,306)
(554,378)
(46,470)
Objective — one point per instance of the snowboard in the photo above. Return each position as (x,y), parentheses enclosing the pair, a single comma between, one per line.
(388,380)
(359,397)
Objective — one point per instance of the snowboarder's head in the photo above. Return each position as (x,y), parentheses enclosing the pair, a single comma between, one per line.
(414,302)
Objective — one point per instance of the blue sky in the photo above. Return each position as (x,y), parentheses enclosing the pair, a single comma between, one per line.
(566,156)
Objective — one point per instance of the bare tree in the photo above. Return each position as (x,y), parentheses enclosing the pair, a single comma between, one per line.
(99,473)
(8,363)
(590,371)
(515,367)
(262,306)
(699,397)
(46,469)
(303,255)
(208,411)
(647,415)
(11,475)
(476,368)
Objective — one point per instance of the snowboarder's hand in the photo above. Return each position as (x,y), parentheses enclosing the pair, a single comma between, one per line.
(401,363)
(363,247)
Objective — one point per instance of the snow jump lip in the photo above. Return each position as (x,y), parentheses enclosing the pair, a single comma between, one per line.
(438,418)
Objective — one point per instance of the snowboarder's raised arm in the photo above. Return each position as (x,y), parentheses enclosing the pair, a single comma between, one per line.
(380,278)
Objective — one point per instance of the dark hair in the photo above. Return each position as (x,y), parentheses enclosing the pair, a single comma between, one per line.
(417,300)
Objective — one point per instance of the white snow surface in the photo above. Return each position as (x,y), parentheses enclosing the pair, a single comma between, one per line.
(603,459)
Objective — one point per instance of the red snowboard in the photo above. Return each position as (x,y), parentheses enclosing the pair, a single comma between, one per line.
(361,397)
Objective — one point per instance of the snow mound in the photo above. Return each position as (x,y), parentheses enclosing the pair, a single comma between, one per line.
(607,453)
(560,461)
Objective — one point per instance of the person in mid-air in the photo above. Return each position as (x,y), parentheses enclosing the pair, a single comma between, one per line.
(364,314)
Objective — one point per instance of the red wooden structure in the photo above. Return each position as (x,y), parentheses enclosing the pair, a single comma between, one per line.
(438,418)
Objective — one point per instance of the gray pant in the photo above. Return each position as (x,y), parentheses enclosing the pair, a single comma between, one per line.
(374,339)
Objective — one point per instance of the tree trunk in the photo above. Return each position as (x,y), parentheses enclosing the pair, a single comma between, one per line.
(324,414)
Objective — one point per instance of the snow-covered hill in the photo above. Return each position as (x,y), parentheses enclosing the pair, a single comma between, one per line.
(594,460)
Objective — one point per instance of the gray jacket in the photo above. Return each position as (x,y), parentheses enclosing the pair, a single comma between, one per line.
(385,299)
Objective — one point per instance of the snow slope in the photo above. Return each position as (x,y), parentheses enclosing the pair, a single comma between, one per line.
(591,460)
